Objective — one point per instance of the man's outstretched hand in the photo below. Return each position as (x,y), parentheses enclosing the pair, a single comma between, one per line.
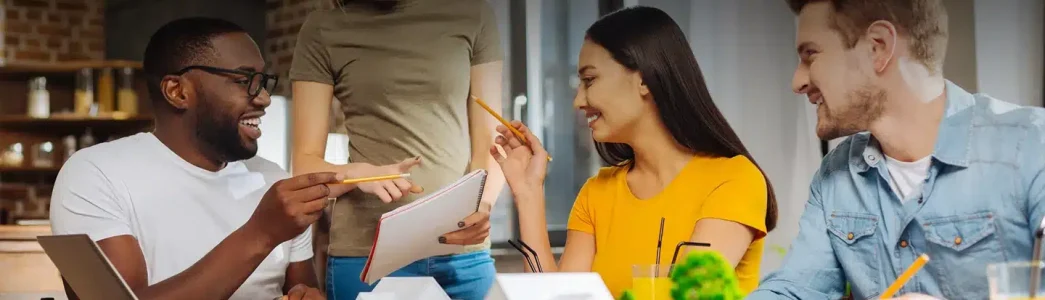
(292,204)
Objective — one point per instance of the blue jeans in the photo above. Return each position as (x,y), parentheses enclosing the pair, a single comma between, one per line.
(463,276)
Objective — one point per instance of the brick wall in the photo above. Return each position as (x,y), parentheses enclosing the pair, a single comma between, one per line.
(53,30)
(283,21)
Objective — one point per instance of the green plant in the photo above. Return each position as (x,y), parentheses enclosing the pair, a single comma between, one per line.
(702,275)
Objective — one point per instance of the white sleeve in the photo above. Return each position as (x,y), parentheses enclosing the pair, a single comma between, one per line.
(301,246)
(84,201)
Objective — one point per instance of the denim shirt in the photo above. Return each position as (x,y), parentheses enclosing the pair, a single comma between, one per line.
(980,204)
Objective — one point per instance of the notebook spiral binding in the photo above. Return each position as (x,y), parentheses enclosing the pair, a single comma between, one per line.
(482,188)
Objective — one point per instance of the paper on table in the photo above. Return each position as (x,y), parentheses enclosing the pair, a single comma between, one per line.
(411,232)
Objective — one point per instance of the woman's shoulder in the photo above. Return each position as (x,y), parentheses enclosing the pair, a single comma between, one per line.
(730,168)
(606,177)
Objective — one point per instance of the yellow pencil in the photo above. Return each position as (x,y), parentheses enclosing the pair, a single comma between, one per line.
(907,274)
(375,178)
(503,121)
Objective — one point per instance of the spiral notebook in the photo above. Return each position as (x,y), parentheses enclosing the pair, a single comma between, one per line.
(411,232)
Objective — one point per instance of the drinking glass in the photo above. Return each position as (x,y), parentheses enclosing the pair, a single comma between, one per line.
(1014,280)
(651,282)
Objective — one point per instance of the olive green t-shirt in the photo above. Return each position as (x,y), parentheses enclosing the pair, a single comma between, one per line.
(402,80)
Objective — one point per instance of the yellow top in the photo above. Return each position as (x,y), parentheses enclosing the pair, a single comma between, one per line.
(626,228)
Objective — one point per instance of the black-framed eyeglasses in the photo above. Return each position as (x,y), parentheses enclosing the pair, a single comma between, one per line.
(519,245)
(254,81)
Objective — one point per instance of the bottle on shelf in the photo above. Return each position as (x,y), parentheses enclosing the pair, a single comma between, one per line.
(69,143)
(106,89)
(87,139)
(43,155)
(13,156)
(127,98)
(83,97)
(39,105)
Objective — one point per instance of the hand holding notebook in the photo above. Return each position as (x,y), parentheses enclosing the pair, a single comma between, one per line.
(412,232)
(474,229)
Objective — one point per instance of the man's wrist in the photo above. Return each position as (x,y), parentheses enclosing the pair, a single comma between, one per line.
(258,236)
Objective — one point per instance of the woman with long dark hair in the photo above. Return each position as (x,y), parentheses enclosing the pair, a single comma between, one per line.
(673,156)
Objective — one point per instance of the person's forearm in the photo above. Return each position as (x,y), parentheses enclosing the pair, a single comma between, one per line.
(219,273)
(304,163)
(307,163)
(494,179)
(534,228)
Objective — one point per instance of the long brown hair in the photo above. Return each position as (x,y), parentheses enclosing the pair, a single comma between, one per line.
(647,40)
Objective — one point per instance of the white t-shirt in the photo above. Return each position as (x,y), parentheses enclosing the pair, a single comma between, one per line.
(178,212)
(908,177)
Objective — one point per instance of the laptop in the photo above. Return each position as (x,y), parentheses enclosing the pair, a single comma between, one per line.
(86,269)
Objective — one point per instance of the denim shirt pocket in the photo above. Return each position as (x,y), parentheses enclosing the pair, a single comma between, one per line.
(961,246)
(856,249)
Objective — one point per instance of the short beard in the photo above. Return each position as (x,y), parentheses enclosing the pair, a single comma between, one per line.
(866,106)
(220,137)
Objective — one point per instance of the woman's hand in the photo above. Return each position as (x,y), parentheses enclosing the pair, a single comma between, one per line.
(387,190)
(524,164)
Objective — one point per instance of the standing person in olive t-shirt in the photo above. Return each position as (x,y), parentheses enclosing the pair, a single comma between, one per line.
(402,72)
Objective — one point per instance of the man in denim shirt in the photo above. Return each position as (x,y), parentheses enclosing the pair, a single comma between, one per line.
(929,168)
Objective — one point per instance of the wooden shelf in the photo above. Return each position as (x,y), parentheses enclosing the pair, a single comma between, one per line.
(15,67)
(22,182)
(67,120)
(29,170)
(75,125)
(23,232)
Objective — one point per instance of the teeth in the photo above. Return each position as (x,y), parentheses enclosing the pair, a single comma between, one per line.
(251,122)
(592,118)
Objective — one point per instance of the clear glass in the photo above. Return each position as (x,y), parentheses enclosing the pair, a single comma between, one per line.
(84,94)
(1013,280)
(126,97)
(106,88)
(651,282)
(127,78)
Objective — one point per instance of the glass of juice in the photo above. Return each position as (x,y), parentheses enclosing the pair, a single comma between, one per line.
(651,282)
(1016,280)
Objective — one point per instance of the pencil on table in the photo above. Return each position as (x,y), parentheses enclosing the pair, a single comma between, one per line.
(503,121)
(907,274)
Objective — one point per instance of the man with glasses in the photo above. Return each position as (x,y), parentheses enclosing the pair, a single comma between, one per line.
(187,211)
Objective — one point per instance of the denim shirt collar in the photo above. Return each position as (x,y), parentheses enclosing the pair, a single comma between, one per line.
(951,141)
